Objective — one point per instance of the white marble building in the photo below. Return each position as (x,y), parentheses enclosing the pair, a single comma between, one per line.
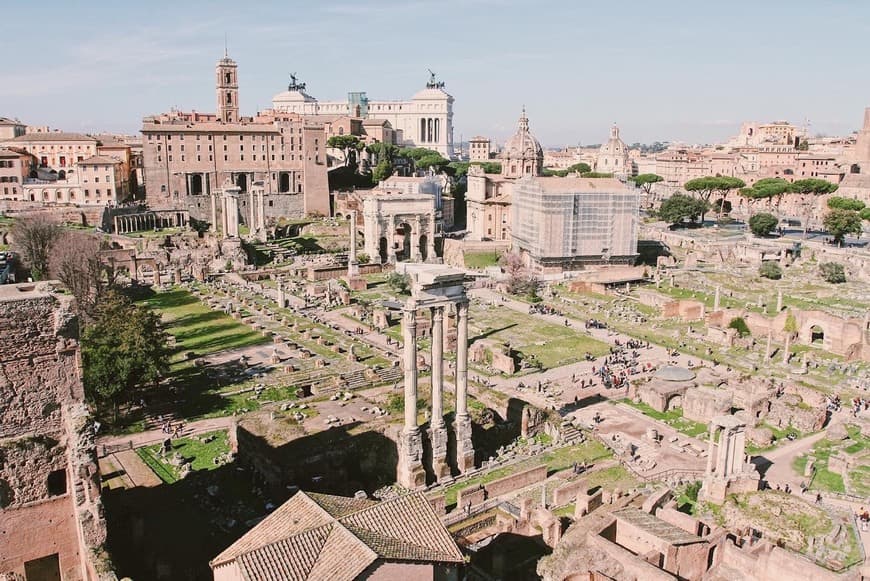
(424,120)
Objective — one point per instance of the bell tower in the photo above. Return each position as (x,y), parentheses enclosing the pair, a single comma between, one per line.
(227,90)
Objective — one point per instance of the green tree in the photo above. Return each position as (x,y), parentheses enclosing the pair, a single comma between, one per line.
(680,206)
(808,189)
(762,224)
(596,174)
(832,272)
(33,236)
(424,158)
(740,325)
(705,187)
(349,144)
(645,181)
(400,283)
(124,348)
(382,171)
(840,223)
(771,270)
(850,204)
(769,189)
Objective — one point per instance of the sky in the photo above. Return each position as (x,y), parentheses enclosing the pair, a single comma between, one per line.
(668,70)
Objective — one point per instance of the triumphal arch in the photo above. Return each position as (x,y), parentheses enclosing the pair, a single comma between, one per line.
(438,289)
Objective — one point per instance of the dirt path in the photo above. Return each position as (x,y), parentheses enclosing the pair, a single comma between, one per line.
(132,441)
(136,470)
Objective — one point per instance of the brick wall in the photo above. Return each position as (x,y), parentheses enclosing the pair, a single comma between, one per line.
(516,481)
(472,495)
(567,493)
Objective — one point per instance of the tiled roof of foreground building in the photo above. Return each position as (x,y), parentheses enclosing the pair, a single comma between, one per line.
(319,536)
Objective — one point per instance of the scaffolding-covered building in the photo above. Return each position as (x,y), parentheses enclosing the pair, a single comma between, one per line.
(568,223)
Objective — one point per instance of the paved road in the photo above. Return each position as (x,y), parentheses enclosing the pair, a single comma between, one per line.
(153,436)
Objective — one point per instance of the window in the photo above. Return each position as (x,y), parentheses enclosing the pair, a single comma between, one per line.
(163,187)
(97,178)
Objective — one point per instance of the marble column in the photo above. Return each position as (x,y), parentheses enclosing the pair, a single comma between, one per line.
(464,444)
(231,202)
(431,255)
(410,469)
(390,235)
(710,449)
(438,430)
(724,452)
(352,263)
(252,212)
(716,299)
(778,302)
(415,241)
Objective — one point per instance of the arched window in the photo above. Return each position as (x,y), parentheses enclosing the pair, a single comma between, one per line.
(229,98)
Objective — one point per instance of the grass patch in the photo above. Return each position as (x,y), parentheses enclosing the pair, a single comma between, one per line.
(673,418)
(200,453)
(611,478)
(481,260)
(550,344)
(197,328)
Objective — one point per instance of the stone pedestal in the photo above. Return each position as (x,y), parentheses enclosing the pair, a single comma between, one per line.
(410,472)
(464,445)
(438,439)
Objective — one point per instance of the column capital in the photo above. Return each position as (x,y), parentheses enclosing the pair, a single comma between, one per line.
(437,313)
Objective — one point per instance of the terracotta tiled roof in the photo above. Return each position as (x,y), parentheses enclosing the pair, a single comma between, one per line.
(52,136)
(335,538)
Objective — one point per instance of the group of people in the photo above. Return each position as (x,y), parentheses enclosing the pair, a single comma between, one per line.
(541,309)
(175,430)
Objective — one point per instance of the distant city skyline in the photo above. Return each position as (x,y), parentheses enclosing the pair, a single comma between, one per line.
(664,71)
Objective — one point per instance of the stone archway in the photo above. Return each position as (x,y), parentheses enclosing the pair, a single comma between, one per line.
(242,182)
(284,182)
(404,230)
(382,249)
(196,184)
(816,335)
(675,401)
(423,246)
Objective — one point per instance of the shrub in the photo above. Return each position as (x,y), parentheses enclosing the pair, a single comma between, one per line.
(770,270)
(762,224)
(740,325)
(832,272)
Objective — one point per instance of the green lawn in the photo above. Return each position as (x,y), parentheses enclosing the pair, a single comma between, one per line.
(673,418)
(197,328)
(481,260)
(200,453)
(551,344)
(612,478)
(824,479)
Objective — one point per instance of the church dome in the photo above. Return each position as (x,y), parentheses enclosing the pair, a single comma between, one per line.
(615,145)
(523,144)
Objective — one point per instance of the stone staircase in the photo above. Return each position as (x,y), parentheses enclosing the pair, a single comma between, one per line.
(570,434)
(389,375)
(356,379)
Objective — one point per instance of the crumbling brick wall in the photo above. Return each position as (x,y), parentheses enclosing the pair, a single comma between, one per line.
(49,493)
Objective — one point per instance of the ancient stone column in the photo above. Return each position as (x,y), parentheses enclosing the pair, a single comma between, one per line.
(464,445)
(767,350)
(352,263)
(231,202)
(282,299)
(252,211)
(213,226)
(438,430)
(431,255)
(785,350)
(779,302)
(710,449)
(415,241)
(716,299)
(390,235)
(261,212)
(410,470)
(724,452)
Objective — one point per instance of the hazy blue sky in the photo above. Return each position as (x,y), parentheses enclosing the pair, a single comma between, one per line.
(664,70)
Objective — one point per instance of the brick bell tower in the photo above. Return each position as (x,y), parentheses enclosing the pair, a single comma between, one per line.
(227,90)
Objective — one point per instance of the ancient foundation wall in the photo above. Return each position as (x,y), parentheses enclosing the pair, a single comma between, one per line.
(516,481)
